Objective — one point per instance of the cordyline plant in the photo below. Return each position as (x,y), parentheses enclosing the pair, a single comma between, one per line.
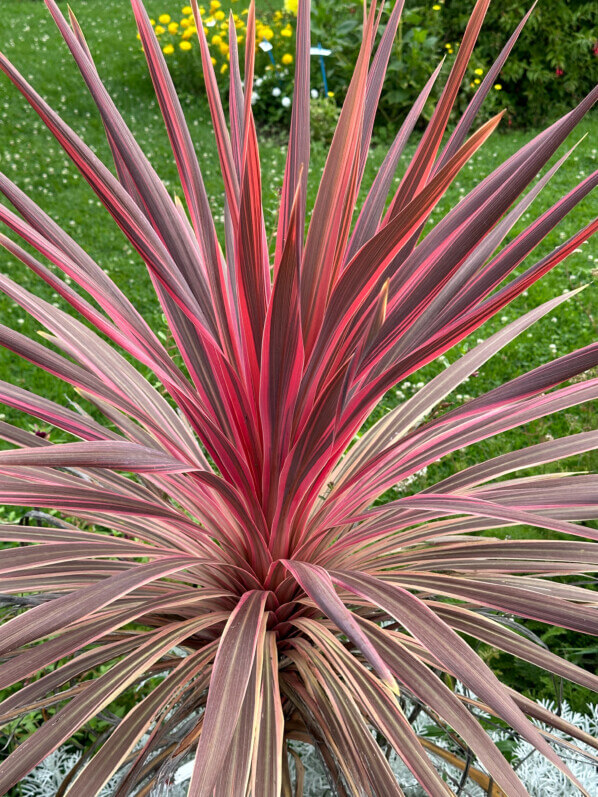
(233,517)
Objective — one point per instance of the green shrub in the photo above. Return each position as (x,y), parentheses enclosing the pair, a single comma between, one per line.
(550,68)
(324,113)
(553,64)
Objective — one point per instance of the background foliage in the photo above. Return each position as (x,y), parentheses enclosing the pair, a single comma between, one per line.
(555,61)
(553,65)
(23,145)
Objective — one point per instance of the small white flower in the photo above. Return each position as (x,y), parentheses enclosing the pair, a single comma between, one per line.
(254,97)
(314,94)
(258,81)
(286,102)
(276,92)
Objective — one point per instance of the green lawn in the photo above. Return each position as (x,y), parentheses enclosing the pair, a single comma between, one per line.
(29,155)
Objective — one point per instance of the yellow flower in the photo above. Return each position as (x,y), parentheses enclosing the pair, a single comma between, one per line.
(214,5)
(223,68)
(164,19)
(497,86)
(478,71)
(168,50)
(173,27)
(223,48)
(186,10)
(476,81)
(277,16)
(216,40)
(436,8)
(185,45)
(188,33)
(213,60)
(240,39)
(291,6)
(219,15)
(287,32)
(185,23)
(152,22)
(451,51)
(139,35)
(159,30)
(267,33)
(287,59)
(331,94)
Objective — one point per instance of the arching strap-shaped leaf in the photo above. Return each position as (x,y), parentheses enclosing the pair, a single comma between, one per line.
(451,652)
(493,632)
(234,776)
(373,205)
(35,695)
(231,673)
(16,559)
(266,777)
(225,153)
(297,163)
(381,707)
(358,286)
(83,426)
(395,424)
(519,598)
(100,693)
(539,712)
(43,620)
(282,363)
(126,735)
(375,80)
(113,454)
(159,208)
(431,690)
(79,636)
(529,457)
(330,221)
(190,175)
(364,757)
(317,584)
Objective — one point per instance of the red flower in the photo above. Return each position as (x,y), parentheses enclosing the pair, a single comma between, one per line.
(559,72)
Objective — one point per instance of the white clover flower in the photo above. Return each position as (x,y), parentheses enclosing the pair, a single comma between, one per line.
(286,102)
(315,94)
(254,97)
(276,92)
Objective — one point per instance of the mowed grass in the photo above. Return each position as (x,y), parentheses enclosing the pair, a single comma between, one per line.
(30,156)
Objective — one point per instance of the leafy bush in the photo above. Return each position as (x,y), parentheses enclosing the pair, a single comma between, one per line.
(551,68)
(226,544)
(556,59)
(324,114)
